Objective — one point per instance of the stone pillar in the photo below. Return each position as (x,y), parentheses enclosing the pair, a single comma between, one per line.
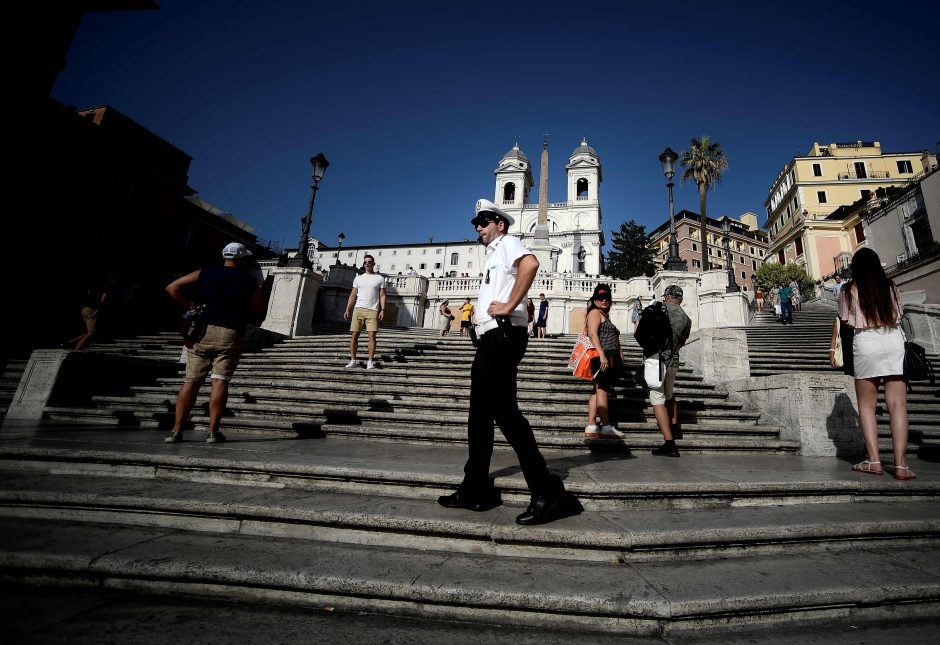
(293,298)
(819,411)
(923,325)
(35,387)
(718,355)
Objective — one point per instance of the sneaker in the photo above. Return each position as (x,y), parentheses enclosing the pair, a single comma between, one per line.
(351,364)
(591,432)
(215,437)
(370,365)
(610,432)
(175,437)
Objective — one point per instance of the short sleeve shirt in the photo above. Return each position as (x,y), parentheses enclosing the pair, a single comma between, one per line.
(499,277)
(368,287)
(466,310)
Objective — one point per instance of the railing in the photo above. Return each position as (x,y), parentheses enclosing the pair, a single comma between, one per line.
(871,174)
(530,207)
(908,259)
(582,199)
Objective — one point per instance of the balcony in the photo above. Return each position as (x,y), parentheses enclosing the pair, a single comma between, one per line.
(871,174)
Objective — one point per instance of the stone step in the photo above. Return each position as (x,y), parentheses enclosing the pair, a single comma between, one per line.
(414,523)
(631,598)
(603,480)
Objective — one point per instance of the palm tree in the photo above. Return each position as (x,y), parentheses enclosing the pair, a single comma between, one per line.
(704,162)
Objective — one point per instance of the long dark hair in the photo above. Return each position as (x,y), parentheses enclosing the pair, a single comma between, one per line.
(876,293)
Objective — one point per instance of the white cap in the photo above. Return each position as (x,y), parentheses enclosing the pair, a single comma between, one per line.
(486,206)
(235,250)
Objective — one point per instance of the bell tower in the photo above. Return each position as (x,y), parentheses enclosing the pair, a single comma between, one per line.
(513,181)
(584,175)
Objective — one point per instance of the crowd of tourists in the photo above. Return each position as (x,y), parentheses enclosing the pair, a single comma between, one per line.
(500,326)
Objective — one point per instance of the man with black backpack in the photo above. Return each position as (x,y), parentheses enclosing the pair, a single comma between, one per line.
(663,329)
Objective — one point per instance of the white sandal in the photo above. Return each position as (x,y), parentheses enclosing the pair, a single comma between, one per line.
(866,467)
(910,473)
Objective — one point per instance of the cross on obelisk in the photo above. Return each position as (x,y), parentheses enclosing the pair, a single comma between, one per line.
(541,228)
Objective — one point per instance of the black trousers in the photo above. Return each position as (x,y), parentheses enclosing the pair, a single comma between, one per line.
(493,399)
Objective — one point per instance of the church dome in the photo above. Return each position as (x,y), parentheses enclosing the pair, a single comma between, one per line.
(515,153)
(584,149)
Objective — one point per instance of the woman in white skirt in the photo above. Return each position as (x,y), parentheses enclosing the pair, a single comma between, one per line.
(871,305)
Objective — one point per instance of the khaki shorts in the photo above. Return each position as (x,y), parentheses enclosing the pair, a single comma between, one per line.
(90,314)
(368,318)
(219,352)
(659,395)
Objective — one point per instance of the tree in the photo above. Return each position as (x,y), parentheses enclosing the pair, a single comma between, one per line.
(704,162)
(631,255)
(771,273)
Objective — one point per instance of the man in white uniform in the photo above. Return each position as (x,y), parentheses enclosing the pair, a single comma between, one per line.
(501,338)
(368,295)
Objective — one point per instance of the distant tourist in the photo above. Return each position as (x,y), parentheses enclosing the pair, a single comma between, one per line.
(466,317)
(93,301)
(501,344)
(785,294)
(636,312)
(759,298)
(542,320)
(870,303)
(230,298)
(446,317)
(530,313)
(368,296)
(837,286)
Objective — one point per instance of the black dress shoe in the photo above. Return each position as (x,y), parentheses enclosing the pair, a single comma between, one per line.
(478,503)
(668,449)
(544,509)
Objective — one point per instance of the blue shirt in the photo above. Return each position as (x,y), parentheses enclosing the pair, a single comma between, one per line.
(226,292)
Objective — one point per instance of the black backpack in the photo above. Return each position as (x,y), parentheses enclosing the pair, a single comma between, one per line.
(654,331)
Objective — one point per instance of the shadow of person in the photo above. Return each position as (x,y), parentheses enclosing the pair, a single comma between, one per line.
(844,430)
(562,466)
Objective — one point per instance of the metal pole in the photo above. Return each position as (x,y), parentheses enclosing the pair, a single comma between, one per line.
(732,283)
(301,258)
(673,262)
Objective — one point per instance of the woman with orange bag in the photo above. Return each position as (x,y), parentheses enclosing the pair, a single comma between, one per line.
(605,337)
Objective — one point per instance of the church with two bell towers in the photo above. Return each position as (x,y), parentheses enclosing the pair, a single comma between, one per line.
(569,242)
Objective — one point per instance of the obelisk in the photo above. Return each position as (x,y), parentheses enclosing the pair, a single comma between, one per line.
(541,247)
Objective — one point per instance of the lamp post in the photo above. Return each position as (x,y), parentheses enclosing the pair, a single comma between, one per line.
(339,247)
(732,283)
(673,261)
(319,164)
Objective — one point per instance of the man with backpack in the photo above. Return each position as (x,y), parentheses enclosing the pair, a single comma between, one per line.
(663,329)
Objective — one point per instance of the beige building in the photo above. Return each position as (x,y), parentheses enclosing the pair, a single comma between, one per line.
(810,188)
(747,244)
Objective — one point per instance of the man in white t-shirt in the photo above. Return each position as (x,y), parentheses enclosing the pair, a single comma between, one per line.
(501,337)
(368,296)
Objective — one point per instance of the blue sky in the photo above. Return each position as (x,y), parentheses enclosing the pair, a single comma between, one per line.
(415,102)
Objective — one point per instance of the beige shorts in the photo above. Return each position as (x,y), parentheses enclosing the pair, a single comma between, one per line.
(368,318)
(659,395)
(90,314)
(218,352)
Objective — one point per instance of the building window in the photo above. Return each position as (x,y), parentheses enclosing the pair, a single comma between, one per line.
(422,266)
(780,258)
(509,193)
(859,233)
(860,172)
(469,265)
(349,255)
(754,264)
(395,252)
(439,251)
(743,275)
(752,250)
(817,170)
(454,259)
(696,264)
(582,187)
(437,265)
(409,251)
(694,246)
(424,251)
(380,254)
(821,196)
(393,267)
(799,246)
(904,166)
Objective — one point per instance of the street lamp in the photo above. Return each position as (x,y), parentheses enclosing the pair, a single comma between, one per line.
(732,283)
(339,238)
(673,261)
(319,164)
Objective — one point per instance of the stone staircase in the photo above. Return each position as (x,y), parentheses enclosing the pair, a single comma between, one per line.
(738,533)
(419,393)
(804,346)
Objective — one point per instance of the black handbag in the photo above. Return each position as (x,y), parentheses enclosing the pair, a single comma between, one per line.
(192,326)
(916,365)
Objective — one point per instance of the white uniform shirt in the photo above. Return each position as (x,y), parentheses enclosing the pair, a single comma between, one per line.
(499,277)
(367,288)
